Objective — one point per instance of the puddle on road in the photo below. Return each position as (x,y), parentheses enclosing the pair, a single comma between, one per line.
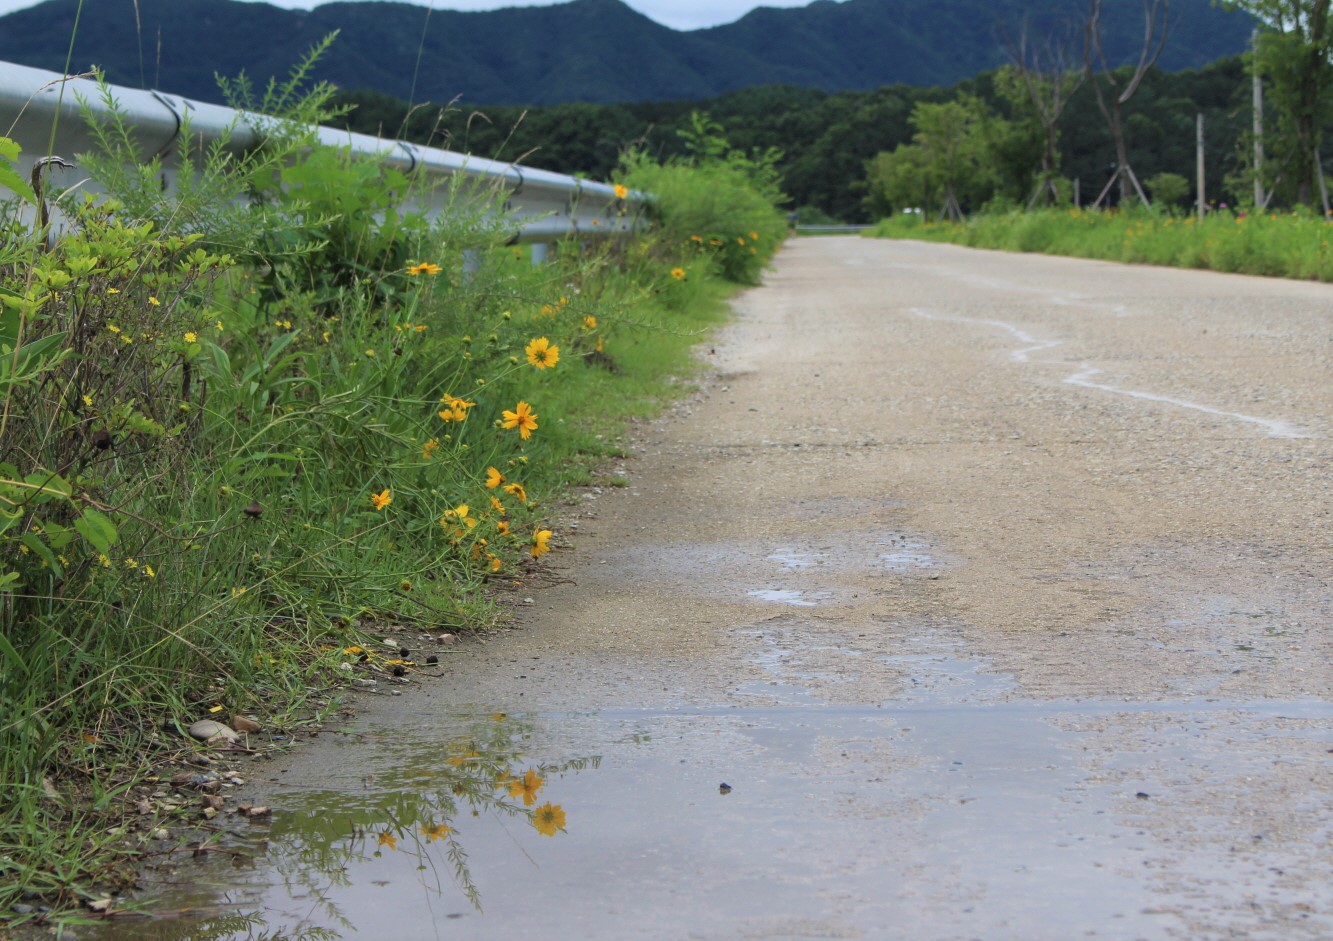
(952,810)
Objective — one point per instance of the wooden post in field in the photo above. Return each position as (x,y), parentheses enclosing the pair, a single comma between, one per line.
(1259,199)
(1203,204)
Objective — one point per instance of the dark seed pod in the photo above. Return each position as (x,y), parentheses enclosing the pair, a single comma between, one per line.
(400,671)
(432,659)
(254,510)
(101,439)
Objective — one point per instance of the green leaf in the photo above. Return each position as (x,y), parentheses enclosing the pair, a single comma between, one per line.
(43,552)
(9,177)
(98,529)
(47,486)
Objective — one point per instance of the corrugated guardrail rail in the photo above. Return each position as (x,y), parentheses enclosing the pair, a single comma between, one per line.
(545,206)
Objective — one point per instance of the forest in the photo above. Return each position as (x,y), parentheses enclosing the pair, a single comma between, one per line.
(827,141)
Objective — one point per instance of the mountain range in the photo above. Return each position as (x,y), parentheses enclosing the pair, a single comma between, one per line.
(584,50)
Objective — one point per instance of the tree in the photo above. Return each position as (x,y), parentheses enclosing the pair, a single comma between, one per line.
(900,180)
(1045,72)
(952,138)
(1115,90)
(1293,54)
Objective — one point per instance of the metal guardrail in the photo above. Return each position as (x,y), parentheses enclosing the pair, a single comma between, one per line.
(545,206)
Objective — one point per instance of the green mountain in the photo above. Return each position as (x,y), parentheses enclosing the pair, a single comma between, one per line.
(584,50)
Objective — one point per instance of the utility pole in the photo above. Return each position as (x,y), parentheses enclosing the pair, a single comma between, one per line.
(1259,199)
(1199,160)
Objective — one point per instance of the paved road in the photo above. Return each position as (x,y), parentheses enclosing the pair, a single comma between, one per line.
(997,588)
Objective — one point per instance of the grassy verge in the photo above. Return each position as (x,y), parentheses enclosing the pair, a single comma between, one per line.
(1287,245)
(240,435)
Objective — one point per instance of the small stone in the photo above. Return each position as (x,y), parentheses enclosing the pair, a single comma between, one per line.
(244,724)
(345,667)
(211,731)
(432,660)
(21,908)
(360,681)
(448,638)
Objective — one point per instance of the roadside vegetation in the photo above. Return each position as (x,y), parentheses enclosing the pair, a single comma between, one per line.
(249,425)
(1286,245)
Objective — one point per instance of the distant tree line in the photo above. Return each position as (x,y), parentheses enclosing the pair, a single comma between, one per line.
(830,142)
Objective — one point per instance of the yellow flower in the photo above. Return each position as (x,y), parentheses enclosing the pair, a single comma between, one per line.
(353,650)
(516,490)
(496,564)
(527,786)
(113,328)
(541,353)
(523,418)
(113,290)
(455,408)
(696,238)
(428,448)
(437,831)
(155,302)
(103,560)
(548,818)
(493,478)
(621,190)
(502,527)
(191,336)
(380,500)
(590,323)
(88,400)
(149,572)
(541,543)
(678,274)
(424,268)
(388,839)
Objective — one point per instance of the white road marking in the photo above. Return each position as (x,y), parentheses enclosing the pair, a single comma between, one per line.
(1083,377)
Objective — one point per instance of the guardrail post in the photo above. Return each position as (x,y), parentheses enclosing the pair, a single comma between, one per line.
(540,253)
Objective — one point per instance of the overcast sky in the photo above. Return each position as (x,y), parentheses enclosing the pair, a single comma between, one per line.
(678,14)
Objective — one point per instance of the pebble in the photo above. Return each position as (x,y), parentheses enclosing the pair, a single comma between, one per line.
(209,731)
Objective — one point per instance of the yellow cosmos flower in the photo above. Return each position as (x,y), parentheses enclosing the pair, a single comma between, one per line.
(380,500)
(526,786)
(516,490)
(541,353)
(590,323)
(424,268)
(541,543)
(621,190)
(754,236)
(455,408)
(548,818)
(493,478)
(428,449)
(678,274)
(502,527)
(496,564)
(437,831)
(388,839)
(523,418)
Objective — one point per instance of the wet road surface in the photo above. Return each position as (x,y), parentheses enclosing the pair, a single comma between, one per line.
(973,596)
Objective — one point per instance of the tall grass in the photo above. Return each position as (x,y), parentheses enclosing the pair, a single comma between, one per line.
(1288,245)
(239,436)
